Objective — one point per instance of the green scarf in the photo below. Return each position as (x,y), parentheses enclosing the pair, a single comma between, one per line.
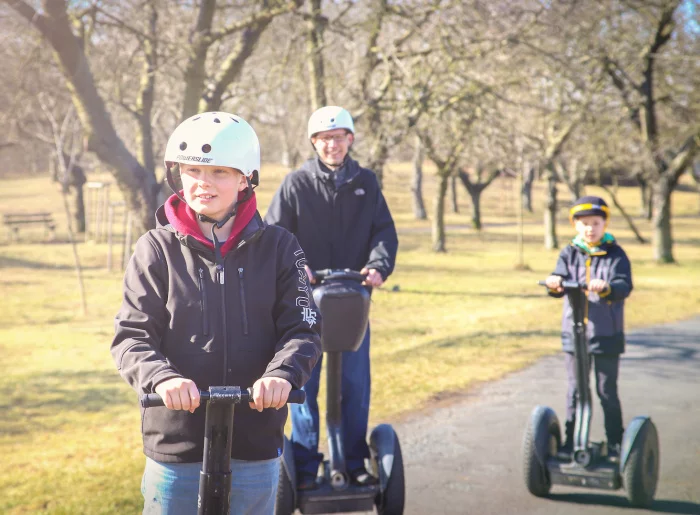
(579,242)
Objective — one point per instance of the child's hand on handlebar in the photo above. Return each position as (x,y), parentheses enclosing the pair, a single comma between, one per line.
(270,392)
(597,285)
(373,278)
(553,282)
(179,393)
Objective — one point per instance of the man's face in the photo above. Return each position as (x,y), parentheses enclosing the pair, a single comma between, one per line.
(332,146)
(210,190)
(591,228)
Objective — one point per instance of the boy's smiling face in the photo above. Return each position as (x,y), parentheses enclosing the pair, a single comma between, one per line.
(591,228)
(211,190)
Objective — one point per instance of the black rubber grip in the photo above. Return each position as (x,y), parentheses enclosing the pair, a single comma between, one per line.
(151,400)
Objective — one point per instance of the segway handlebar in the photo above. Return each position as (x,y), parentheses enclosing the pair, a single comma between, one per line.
(568,285)
(222,394)
(338,273)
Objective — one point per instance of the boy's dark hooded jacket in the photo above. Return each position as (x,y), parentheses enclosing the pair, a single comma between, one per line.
(605,310)
(181,307)
(343,225)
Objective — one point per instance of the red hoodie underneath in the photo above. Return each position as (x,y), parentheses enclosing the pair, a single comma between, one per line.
(183,218)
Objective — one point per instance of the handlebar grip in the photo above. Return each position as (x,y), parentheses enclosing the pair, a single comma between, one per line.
(151,400)
(296,397)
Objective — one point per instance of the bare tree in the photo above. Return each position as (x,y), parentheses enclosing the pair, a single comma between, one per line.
(671,156)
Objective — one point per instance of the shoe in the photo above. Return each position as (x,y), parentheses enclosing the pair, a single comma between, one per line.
(360,477)
(306,482)
(614,453)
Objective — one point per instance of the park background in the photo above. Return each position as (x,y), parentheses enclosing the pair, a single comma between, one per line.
(482,120)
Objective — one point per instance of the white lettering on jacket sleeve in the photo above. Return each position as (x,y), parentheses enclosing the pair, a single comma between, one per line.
(308,315)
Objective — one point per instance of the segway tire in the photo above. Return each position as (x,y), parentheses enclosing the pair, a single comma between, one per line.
(535,472)
(641,472)
(391,500)
(284,504)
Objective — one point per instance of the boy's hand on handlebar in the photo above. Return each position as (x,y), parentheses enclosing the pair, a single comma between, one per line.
(373,278)
(179,393)
(597,285)
(270,392)
(553,282)
(310,275)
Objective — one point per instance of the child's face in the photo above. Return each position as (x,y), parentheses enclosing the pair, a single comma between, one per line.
(211,190)
(591,228)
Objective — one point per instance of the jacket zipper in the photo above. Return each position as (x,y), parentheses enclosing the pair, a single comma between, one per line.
(205,310)
(243,304)
(222,290)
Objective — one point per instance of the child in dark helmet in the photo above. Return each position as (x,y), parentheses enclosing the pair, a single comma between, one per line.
(214,296)
(595,257)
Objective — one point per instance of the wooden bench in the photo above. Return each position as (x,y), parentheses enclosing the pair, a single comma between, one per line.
(15,220)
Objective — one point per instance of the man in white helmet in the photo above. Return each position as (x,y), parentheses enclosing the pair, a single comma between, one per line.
(213,297)
(337,211)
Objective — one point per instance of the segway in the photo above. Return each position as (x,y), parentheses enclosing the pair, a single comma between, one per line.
(344,305)
(214,497)
(588,465)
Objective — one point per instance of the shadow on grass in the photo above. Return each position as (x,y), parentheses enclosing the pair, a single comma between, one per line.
(481,339)
(618,501)
(12,262)
(473,294)
(51,400)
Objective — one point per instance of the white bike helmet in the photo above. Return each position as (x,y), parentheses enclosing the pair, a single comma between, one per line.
(215,139)
(329,118)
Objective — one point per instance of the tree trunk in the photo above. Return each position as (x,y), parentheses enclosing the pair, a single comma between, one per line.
(79,209)
(417,183)
(526,188)
(645,198)
(475,195)
(439,213)
(662,239)
(314,56)
(453,193)
(550,214)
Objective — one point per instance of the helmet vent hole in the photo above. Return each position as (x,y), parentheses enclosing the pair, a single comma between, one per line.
(232,118)
(206,148)
(183,145)
(332,120)
(216,120)
(195,119)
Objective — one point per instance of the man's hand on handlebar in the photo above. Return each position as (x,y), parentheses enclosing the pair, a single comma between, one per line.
(374,278)
(310,275)
(270,392)
(179,393)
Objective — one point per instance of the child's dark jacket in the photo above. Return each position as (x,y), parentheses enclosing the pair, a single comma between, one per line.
(171,324)
(605,311)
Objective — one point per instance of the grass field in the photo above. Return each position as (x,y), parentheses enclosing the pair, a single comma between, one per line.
(69,434)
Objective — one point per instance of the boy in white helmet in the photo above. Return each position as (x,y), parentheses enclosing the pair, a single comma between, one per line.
(214,296)
(337,211)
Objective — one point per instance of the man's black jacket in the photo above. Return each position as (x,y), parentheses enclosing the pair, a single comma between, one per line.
(348,226)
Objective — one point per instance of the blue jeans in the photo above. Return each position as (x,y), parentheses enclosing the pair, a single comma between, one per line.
(172,488)
(355,412)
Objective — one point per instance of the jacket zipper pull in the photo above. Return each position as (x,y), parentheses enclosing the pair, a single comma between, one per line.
(240,273)
(220,273)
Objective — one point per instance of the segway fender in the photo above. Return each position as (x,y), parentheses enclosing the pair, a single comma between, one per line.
(381,442)
(288,464)
(628,438)
(540,419)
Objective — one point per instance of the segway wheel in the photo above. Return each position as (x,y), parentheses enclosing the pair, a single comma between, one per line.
(391,497)
(642,467)
(543,431)
(284,504)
